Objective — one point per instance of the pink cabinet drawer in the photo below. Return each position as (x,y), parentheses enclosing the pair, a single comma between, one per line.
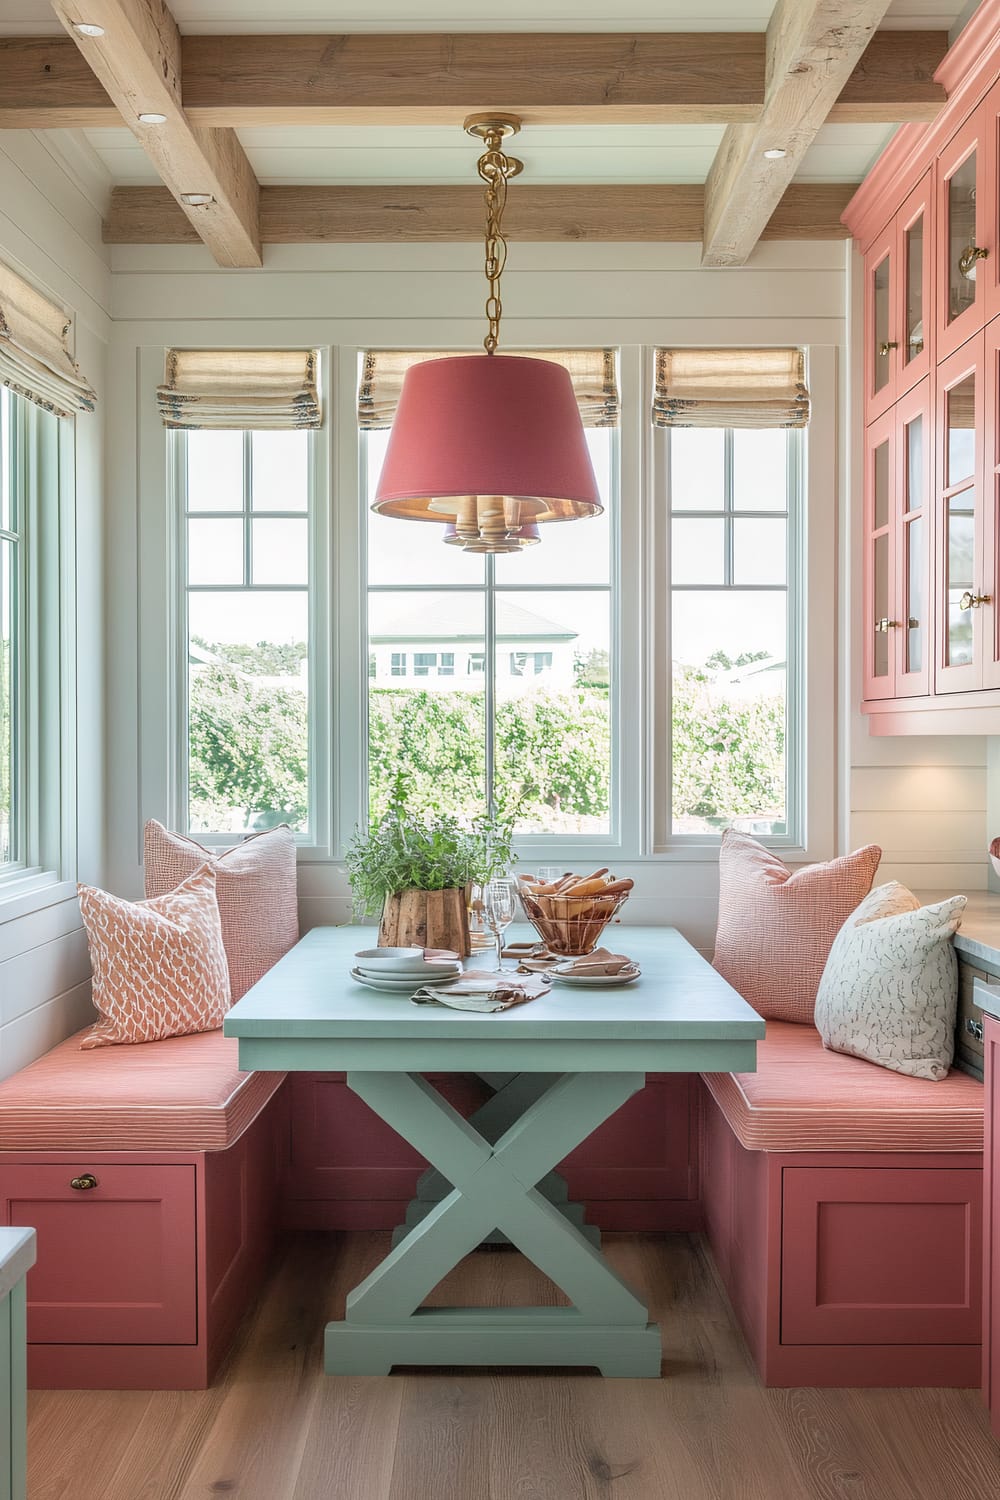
(874,1255)
(116,1262)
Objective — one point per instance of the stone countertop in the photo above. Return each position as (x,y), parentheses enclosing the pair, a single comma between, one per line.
(17,1255)
(979,934)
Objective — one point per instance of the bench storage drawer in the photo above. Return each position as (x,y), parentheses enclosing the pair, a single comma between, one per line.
(115,1261)
(872,1255)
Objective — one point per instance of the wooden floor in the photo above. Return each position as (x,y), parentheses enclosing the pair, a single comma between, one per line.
(274,1427)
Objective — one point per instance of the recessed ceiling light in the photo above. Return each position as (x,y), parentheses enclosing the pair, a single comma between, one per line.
(197,200)
(87,28)
(152,117)
(775,153)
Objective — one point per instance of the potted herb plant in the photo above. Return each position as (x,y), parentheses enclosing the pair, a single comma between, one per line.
(414,869)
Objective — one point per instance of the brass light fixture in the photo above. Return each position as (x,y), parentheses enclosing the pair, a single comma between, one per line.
(488,446)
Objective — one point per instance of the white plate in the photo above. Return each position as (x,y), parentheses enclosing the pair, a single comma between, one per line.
(597,981)
(394,985)
(390,960)
(420,971)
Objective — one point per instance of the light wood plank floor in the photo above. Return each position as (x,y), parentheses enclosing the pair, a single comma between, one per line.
(274,1427)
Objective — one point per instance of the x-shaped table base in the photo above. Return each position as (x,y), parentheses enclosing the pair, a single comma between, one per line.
(494,1186)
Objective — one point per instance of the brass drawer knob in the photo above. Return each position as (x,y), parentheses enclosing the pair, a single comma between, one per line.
(84,1183)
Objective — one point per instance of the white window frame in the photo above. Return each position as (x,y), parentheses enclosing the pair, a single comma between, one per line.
(625,507)
(162,681)
(46,752)
(812,584)
(340,679)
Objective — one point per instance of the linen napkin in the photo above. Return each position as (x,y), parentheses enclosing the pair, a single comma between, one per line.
(485,992)
(600,962)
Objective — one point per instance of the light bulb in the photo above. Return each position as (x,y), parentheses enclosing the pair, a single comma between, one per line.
(87,28)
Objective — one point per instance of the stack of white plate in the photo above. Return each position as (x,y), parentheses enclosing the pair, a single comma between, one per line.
(402,970)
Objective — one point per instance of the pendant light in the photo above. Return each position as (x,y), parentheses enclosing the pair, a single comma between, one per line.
(489,445)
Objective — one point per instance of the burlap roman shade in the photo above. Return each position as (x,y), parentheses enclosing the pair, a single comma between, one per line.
(594,373)
(730,388)
(240,388)
(35,358)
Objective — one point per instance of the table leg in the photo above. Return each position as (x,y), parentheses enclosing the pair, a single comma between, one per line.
(494,1187)
(513,1093)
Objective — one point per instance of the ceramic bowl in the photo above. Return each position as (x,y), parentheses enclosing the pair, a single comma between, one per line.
(390,960)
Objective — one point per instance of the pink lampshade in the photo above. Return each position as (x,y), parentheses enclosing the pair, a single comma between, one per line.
(487,425)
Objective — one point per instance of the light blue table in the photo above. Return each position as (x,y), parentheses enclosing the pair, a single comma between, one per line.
(559,1066)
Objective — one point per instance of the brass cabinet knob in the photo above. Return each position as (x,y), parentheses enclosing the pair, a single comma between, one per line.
(883,349)
(83,1183)
(884,625)
(967,260)
(973,601)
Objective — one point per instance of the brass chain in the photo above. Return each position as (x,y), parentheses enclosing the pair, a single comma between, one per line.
(495,167)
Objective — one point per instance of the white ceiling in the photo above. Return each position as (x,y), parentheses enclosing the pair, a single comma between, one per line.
(552,154)
(34,17)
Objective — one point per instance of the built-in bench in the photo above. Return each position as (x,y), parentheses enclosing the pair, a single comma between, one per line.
(150,1173)
(843,1205)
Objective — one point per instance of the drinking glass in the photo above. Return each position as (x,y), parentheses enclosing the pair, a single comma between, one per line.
(499,910)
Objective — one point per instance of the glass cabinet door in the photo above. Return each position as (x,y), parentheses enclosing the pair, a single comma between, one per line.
(963,232)
(913,636)
(960,421)
(990,574)
(882,317)
(880,623)
(914,257)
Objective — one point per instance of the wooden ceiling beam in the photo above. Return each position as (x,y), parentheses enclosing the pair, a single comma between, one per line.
(377,79)
(312,215)
(137,61)
(813,47)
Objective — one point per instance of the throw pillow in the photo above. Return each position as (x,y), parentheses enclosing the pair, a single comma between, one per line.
(776,928)
(256,890)
(159,967)
(889,992)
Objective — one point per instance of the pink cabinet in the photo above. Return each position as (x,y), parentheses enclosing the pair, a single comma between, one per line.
(131,1277)
(881,1256)
(899,291)
(962,591)
(966,238)
(898,637)
(991,1226)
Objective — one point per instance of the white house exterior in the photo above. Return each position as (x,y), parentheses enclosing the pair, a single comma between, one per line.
(445,651)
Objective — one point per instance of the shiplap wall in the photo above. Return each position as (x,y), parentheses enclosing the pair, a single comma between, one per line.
(51,233)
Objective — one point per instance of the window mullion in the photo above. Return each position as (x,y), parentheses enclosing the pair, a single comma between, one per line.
(490,683)
(247,524)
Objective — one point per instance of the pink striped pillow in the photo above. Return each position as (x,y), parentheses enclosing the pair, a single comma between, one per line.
(776,927)
(255,884)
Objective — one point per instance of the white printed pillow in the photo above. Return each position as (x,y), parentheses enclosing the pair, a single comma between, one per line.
(889,992)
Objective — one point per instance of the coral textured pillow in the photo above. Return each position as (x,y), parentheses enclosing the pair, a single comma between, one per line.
(159,966)
(256,890)
(776,928)
(889,992)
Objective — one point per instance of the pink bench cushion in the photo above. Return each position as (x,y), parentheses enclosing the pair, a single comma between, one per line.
(186,1093)
(804,1098)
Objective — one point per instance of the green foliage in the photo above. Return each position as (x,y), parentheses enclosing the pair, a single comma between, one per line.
(408,850)
(249,750)
(266,659)
(728,753)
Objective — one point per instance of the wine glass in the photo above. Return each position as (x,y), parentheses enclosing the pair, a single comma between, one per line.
(499,910)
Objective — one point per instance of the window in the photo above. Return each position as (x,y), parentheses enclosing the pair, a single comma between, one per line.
(512,689)
(735,629)
(11,634)
(397,664)
(244,500)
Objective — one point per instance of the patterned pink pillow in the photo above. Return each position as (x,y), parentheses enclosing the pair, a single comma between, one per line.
(256,890)
(159,966)
(776,928)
